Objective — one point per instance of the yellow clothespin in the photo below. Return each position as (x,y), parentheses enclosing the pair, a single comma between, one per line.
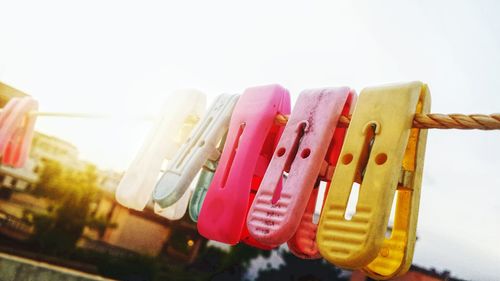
(384,154)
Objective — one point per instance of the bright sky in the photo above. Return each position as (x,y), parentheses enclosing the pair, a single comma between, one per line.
(119,57)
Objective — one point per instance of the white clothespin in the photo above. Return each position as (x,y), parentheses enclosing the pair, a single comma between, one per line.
(180,114)
(177,210)
(201,146)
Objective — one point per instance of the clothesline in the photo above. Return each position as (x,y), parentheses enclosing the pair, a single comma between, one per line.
(425,121)
(84,115)
(439,121)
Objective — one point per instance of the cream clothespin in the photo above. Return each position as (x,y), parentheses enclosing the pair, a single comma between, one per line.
(180,114)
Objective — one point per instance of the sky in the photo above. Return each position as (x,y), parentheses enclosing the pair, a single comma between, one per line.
(123,58)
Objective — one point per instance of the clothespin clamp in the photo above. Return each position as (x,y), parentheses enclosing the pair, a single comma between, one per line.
(206,175)
(16,130)
(180,114)
(301,153)
(252,137)
(380,146)
(202,145)
(303,242)
(176,211)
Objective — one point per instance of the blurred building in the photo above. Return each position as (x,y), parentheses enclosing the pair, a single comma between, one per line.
(19,179)
(141,232)
(125,231)
(45,147)
(7,92)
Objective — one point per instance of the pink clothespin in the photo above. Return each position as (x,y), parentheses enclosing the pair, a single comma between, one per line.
(250,143)
(304,158)
(16,130)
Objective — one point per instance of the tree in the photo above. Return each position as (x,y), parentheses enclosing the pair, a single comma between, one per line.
(296,269)
(234,265)
(73,192)
(51,182)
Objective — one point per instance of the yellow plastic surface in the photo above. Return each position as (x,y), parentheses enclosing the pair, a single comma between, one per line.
(396,156)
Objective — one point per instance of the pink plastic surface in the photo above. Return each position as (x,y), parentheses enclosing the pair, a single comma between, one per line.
(302,152)
(249,147)
(8,123)
(16,130)
(303,243)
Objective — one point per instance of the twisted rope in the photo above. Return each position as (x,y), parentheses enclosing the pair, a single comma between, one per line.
(436,121)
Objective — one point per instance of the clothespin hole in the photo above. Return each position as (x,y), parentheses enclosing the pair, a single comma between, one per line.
(305,153)
(392,216)
(350,210)
(202,143)
(381,158)
(281,151)
(285,175)
(319,201)
(347,158)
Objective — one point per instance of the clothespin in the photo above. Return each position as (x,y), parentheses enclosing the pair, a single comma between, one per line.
(204,180)
(303,242)
(250,144)
(385,155)
(16,130)
(302,152)
(177,210)
(179,116)
(201,146)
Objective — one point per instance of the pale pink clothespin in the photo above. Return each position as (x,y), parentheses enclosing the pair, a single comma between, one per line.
(16,130)
(309,144)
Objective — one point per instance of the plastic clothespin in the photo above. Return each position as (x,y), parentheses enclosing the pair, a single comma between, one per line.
(177,210)
(385,155)
(204,180)
(303,242)
(250,144)
(179,115)
(16,130)
(201,146)
(303,149)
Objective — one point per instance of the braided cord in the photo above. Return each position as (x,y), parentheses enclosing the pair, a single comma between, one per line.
(437,121)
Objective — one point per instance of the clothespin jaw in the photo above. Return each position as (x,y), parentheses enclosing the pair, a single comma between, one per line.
(303,243)
(201,145)
(206,175)
(249,146)
(380,142)
(17,129)
(176,211)
(278,208)
(179,116)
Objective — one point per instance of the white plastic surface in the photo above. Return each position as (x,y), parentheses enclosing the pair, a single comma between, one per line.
(180,112)
(201,145)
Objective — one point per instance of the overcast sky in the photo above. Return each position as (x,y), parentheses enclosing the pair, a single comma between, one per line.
(122,58)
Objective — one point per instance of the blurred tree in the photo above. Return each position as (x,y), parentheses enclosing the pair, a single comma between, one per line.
(73,192)
(242,254)
(234,265)
(51,182)
(296,269)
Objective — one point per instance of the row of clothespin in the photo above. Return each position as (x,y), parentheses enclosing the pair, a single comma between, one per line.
(258,179)
(250,172)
